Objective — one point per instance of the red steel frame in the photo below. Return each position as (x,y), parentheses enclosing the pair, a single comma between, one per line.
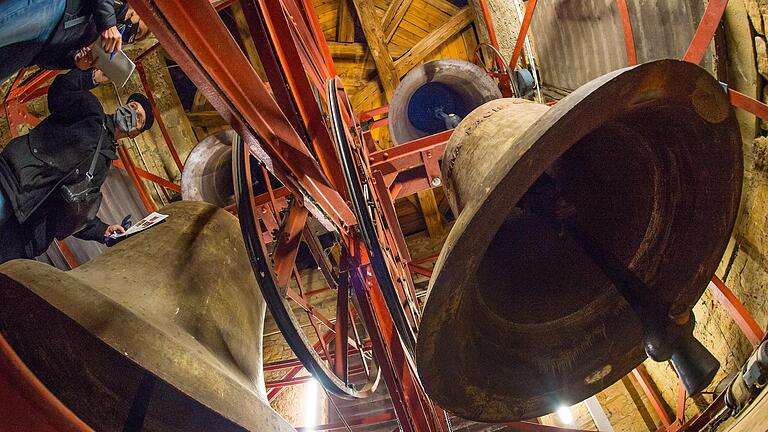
(277,130)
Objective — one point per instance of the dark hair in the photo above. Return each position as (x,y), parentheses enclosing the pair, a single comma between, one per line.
(144,102)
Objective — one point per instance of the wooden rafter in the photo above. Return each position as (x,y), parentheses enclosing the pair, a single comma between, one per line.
(366,12)
(357,51)
(433,40)
(444,6)
(422,49)
(431,213)
(393,17)
(206,119)
(345,30)
(245,34)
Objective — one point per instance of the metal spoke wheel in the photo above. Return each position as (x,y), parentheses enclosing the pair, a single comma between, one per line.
(333,349)
(392,276)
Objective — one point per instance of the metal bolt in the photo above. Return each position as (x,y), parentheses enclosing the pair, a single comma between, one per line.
(436,182)
(429,155)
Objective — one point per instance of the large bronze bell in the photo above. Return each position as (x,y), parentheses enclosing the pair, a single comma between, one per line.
(207,174)
(585,234)
(435,96)
(161,333)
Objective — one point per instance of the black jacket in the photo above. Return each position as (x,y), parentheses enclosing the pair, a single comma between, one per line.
(81,25)
(58,151)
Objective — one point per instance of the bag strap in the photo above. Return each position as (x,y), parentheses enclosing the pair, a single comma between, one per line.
(89,174)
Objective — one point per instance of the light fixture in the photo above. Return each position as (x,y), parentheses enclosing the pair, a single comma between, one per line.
(311,403)
(565,414)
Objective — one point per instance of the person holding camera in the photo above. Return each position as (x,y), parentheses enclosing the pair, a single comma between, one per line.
(55,34)
(50,178)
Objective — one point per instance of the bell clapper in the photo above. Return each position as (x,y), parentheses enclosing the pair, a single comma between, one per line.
(451,120)
(667,335)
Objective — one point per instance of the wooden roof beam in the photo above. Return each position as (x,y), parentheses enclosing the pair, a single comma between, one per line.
(345,30)
(357,51)
(206,119)
(421,50)
(393,17)
(366,12)
(245,34)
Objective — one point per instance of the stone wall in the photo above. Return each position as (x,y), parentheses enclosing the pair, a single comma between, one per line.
(506,24)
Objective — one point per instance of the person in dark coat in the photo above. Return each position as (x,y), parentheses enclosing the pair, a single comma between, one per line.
(57,152)
(51,33)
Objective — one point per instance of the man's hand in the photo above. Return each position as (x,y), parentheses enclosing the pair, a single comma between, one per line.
(111,40)
(84,59)
(114,228)
(99,77)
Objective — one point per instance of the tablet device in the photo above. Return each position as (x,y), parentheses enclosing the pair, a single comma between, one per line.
(118,69)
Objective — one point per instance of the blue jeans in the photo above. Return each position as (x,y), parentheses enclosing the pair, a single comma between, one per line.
(29,20)
(5,208)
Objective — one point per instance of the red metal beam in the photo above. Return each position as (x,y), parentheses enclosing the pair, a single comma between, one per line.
(200,43)
(749,104)
(390,215)
(158,116)
(697,423)
(491,30)
(341,360)
(409,155)
(736,310)
(680,406)
(22,91)
(370,114)
(26,405)
(420,270)
(287,246)
(66,252)
(653,397)
(526,24)
(629,38)
(706,31)
(295,70)
(149,176)
(149,204)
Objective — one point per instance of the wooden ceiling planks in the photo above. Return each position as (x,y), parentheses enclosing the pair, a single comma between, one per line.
(439,36)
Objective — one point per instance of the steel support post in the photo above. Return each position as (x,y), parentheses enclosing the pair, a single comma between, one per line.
(629,38)
(524,26)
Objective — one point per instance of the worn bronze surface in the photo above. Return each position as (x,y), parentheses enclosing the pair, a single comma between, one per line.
(177,302)
(519,319)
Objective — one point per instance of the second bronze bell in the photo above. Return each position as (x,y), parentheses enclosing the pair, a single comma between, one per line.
(585,234)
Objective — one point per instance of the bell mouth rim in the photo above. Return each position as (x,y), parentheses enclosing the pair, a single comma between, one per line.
(560,128)
(426,74)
